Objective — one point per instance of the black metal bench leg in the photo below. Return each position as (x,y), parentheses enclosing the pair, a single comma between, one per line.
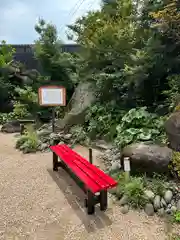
(103,200)
(90,202)
(55,162)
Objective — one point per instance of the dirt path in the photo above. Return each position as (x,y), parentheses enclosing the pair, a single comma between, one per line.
(38,204)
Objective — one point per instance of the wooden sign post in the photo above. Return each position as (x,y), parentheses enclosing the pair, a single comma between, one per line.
(52,96)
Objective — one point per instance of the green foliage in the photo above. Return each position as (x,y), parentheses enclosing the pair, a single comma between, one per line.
(58,65)
(177,217)
(175,164)
(134,189)
(6,54)
(19,112)
(101,120)
(135,192)
(173,93)
(79,134)
(138,125)
(29,142)
(157,184)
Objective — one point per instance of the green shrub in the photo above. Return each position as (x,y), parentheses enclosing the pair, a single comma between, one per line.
(157,184)
(79,134)
(4,117)
(139,125)
(174,166)
(135,192)
(134,189)
(177,217)
(29,142)
(20,111)
(102,120)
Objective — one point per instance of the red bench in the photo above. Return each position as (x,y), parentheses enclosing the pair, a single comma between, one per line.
(95,182)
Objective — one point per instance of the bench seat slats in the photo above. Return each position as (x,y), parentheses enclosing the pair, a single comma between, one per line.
(94,187)
(110,182)
(86,169)
(94,178)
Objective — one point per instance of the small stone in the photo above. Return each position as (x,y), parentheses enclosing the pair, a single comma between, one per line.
(173,203)
(173,209)
(168,196)
(125,209)
(112,191)
(169,206)
(123,200)
(115,166)
(168,211)
(43,146)
(163,203)
(108,152)
(178,205)
(149,194)
(116,157)
(157,202)
(161,212)
(149,209)
(68,136)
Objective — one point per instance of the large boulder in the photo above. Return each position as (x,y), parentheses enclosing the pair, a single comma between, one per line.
(172,127)
(148,158)
(82,98)
(11,127)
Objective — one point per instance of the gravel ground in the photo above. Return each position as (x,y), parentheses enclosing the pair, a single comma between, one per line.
(36,203)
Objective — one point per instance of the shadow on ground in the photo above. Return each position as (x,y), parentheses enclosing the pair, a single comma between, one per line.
(75,197)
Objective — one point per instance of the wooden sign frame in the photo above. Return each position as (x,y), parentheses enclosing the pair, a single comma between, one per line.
(40,97)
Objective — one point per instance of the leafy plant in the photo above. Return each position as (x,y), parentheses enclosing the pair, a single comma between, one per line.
(133,189)
(29,142)
(157,184)
(174,165)
(78,134)
(139,125)
(101,120)
(177,217)
(135,192)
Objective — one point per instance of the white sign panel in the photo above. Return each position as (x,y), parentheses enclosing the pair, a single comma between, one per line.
(127,167)
(52,96)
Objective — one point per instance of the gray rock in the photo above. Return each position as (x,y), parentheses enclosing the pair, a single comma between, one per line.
(108,152)
(149,194)
(43,147)
(123,200)
(13,126)
(148,158)
(115,158)
(168,211)
(169,205)
(115,166)
(125,209)
(161,212)
(44,132)
(54,136)
(157,202)
(178,205)
(82,98)
(163,203)
(112,191)
(68,136)
(172,127)
(149,209)
(168,196)
(173,209)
